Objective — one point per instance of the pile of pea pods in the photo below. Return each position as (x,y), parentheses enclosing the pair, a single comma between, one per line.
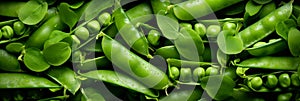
(150,50)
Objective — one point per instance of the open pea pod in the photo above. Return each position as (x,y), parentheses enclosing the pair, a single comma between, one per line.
(23,80)
(269,48)
(120,80)
(34,60)
(293,41)
(66,77)
(58,53)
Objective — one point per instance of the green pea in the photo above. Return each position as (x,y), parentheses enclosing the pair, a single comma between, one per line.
(188,25)
(255,83)
(213,30)
(120,80)
(198,73)
(14,47)
(76,41)
(272,81)
(23,80)
(200,29)
(93,26)
(7,32)
(174,73)
(104,19)
(211,71)
(284,96)
(82,33)
(153,37)
(186,75)
(19,27)
(9,62)
(295,79)
(229,26)
(284,80)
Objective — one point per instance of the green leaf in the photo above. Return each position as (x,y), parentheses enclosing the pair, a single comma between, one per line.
(283,27)
(76,4)
(96,7)
(91,94)
(66,77)
(34,60)
(229,44)
(252,8)
(168,26)
(55,37)
(33,12)
(219,87)
(293,41)
(58,53)
(67,15)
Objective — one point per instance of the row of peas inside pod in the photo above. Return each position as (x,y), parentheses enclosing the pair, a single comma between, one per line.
(88,50)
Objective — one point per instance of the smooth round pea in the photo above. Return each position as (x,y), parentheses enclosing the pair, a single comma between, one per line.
(153,37)
(188,25)
(93,26)
(229,26)
(295,79)
(200,29)
(19,27)
(213,30)
(284,80)
(211,71)
(272,81)
(186,75)
(104,19)
(174,73)
(7,32)
(82,33)
(256,83)
(198,73)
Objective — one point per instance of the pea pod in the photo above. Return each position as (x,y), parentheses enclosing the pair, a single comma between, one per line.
(272,47)
(134,65)
(135,39)
(272,63)
(140,13)
(38,37)
(262,28)
(10,8)
(66,77)
(193,9)
(23,80)
(9,62)
(184,63)
(187,94)
(120,80)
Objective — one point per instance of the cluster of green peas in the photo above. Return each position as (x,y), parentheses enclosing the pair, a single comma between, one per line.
(8,32)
